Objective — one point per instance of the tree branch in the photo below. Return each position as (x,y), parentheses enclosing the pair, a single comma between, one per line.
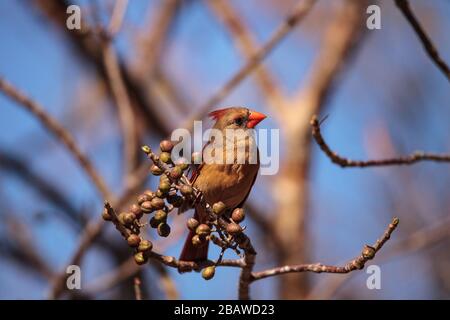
(118,14)
(418,240)
(358,263)
(431,50)
(87,44)
(152,43)
(59,132)
(169,260)
(119,89)
(344,162)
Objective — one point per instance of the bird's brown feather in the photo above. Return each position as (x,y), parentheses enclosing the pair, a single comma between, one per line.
(229,183)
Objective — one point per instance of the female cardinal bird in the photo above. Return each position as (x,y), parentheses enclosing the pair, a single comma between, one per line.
(227,182)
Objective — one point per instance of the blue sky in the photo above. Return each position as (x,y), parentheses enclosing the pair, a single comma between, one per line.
(348,207)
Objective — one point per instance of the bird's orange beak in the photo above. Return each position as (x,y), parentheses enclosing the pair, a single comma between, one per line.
(254,118)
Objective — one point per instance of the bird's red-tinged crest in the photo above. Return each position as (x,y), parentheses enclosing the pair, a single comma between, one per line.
(253,119)
(217,114)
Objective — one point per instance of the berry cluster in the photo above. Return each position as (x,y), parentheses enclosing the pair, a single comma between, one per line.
(174,191)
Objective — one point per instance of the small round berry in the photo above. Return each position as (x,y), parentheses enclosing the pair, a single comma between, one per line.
(208,272)
(176,173)
(163,230)
(164,187)
(145,245)
(203,230)
(154,223)
(133,240)
(219,208)
(234,228)
(186,190)
(192,224)
(140,258)
(106,216)
(196,241)
(136,210)
(143,197)
(147,206)
(238,215)
(160,216)
(157,203)
(129,218)
(166,146)
(165,157)
(155,170)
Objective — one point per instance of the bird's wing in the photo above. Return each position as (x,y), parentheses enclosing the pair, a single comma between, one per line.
(240,205)
(193,177)
(251,187)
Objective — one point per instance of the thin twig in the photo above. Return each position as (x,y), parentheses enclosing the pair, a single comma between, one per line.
(344,162)
(418,240)
(358,263)
(120,8)
(59,132)
(119,89)
(88,47)
(125,110)
(428,45)
(152,43)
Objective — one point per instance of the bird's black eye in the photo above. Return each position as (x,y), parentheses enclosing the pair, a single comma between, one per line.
(239,121)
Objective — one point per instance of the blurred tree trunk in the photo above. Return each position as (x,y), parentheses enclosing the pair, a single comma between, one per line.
(291,187)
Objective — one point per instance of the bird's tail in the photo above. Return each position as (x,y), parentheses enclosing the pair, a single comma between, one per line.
(190,252)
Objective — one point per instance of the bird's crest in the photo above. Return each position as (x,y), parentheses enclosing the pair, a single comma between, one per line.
(217,114)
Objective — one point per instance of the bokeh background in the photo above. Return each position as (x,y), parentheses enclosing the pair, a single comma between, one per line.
(386,99)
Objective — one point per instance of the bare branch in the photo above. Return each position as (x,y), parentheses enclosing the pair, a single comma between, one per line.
(428,45)
(59,132)
(358,263)
(169,260)
(119,89)
(152,43)
(120,8)
(418,240)
(87,44)
(344,162)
